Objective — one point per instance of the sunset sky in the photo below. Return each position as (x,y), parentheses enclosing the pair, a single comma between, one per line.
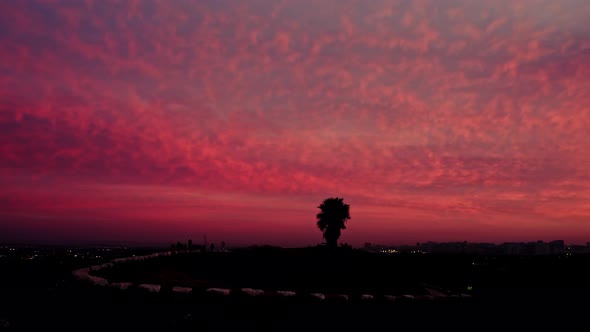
(157,121)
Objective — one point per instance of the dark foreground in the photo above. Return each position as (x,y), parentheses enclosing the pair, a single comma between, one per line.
(509,293)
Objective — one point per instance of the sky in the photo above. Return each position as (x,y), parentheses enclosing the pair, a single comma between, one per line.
(157,121)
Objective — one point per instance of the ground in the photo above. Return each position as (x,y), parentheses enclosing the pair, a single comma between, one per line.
(299,270)
(509,293)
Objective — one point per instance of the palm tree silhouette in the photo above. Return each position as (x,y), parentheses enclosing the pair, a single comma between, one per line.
(332,219)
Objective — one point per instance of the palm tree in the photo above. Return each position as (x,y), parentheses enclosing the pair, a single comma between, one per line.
(332,219)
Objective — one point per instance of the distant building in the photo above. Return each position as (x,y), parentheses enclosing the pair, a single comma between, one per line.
(534,248)
(541,248)
(576,249)
(557,247)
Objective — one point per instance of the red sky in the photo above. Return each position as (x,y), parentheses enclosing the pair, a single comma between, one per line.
(153,121)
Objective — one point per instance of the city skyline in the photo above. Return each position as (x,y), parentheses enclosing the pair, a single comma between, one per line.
(150,121)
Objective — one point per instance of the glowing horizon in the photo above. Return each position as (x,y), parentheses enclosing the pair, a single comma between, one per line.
(159,121)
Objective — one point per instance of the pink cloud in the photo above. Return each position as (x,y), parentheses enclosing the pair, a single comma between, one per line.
(420,113)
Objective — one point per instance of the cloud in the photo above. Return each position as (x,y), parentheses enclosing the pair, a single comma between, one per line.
(418,106)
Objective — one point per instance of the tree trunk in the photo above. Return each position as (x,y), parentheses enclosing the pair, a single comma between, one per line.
(332,242)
